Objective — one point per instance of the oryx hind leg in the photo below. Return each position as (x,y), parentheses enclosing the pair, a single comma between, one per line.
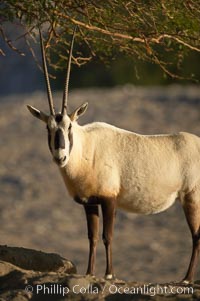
(108,211)
(191,206)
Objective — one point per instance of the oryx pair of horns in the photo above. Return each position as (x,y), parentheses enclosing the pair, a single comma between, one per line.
(66,87)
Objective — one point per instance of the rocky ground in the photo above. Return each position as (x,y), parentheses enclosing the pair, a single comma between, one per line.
(36,211)
(33,275)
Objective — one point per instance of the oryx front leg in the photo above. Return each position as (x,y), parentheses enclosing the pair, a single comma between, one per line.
(92,215)
(108,210)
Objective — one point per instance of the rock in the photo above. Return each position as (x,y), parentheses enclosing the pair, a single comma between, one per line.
(36,260)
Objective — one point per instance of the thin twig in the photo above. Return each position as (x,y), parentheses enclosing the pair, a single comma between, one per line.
(9,43)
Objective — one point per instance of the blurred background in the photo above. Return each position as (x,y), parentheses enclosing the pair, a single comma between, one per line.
(35,209)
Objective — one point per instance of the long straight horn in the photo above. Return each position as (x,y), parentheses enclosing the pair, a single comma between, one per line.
(49,94)
(65,93)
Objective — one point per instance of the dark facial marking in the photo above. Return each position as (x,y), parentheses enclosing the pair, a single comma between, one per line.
(59,118)
(59,139)
(49,139)
(70,136)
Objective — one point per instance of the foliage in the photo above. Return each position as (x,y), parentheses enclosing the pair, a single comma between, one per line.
(156,31)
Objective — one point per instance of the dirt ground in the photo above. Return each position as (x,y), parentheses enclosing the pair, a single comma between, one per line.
(36,211)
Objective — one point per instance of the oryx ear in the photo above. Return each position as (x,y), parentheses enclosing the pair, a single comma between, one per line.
(39,114)
(78,112)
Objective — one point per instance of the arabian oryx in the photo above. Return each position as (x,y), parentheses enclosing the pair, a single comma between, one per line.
(106,166)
